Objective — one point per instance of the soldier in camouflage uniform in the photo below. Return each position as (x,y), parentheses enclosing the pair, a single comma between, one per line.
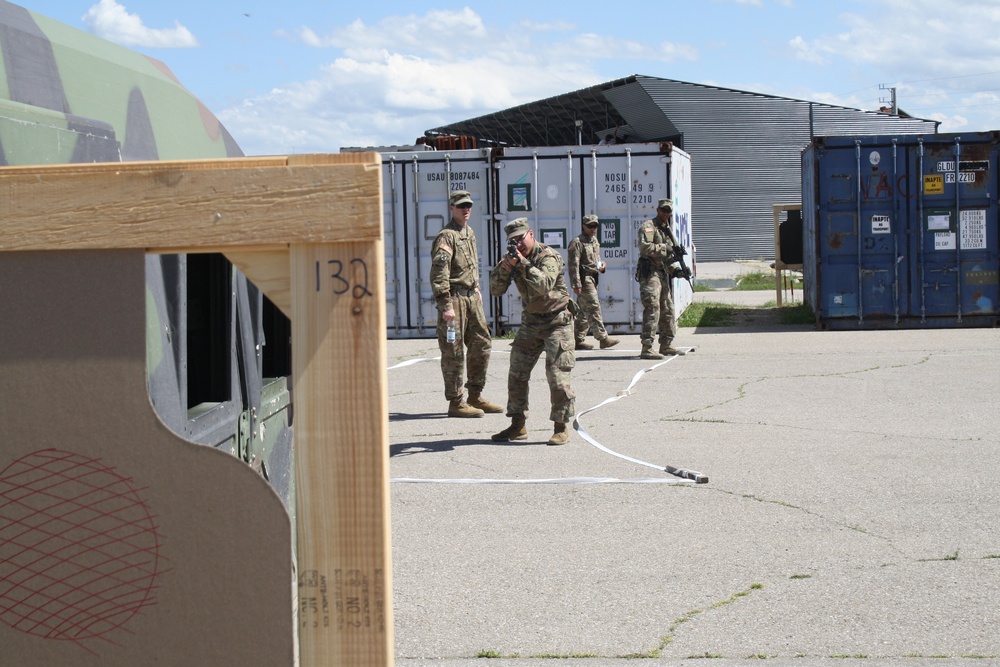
(455,283)
(546,325)
(657,266)
(585,268)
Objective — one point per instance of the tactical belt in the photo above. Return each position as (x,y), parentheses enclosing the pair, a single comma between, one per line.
(459,290)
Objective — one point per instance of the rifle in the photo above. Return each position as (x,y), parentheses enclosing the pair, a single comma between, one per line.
(679,252)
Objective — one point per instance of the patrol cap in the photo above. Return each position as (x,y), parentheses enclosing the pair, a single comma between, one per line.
(460,197)
(515,227)
(590,221)
(665,203)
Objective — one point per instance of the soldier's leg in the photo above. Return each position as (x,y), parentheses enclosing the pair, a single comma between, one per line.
(649,293)
(667,326)
(452,354)
(581,324)
(478,341)
(559,362)
(590,305)
(480,344)
(524,353)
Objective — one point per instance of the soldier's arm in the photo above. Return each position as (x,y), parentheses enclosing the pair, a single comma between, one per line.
(647,248)
(541,279)
(500,278)
(441,255)
(574,263)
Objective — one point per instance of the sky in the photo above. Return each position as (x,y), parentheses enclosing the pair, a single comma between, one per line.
(307,76)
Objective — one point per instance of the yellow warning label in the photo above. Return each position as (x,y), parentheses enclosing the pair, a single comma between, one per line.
(934,184)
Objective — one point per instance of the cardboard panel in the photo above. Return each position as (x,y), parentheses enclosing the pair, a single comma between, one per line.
(120,544)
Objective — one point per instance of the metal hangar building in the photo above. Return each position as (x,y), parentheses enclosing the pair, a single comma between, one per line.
(745,147)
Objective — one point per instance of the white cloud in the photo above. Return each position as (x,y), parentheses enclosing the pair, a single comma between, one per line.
(112,21)
(394,79)
(911,36)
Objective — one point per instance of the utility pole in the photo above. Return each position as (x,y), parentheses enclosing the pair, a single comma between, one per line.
(893,109)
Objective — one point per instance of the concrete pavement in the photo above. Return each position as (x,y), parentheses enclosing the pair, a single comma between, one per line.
(849,518)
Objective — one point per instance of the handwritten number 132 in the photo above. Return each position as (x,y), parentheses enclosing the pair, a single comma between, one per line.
(341,284)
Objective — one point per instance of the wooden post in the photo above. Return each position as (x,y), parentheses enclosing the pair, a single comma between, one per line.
(341,408)
(308,231)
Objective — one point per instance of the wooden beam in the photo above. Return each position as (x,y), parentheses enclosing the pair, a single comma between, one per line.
(308,230)
(341,454)
(179,204)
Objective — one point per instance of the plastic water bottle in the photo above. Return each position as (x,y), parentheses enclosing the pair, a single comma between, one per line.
(451,331)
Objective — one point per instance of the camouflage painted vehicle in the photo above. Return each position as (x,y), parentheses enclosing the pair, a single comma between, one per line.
(218,352)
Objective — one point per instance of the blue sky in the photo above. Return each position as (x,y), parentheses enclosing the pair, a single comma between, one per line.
(304,76)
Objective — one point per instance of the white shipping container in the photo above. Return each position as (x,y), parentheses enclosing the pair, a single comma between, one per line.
(554,187)
(415,190)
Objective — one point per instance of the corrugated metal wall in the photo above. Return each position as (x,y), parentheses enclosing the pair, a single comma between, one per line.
(745,150)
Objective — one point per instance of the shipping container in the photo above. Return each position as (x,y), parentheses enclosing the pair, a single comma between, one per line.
(415,188)
(554,187)
(901,231)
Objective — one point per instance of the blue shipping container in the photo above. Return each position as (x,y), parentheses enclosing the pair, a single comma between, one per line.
(902,231)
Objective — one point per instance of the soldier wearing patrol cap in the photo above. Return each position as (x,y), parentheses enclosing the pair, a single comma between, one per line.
(657,266)
(546,326)
(455,283)
(585,268)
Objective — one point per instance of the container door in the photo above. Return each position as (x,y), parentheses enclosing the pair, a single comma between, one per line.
(542,185)
(955,242)
(861,231)
(622,185)
(415,189)
(554,187)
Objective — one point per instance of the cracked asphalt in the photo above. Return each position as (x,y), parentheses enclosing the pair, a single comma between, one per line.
(851,513)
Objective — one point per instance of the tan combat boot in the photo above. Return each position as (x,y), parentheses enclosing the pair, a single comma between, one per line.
(668,350)
(477,401)
(515,431)
(584,346)
(459,408)
(560,436)
(647,353)
(609,342)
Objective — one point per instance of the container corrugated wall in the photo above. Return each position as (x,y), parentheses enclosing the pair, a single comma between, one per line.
(415,190)
(902,231)
(554,187)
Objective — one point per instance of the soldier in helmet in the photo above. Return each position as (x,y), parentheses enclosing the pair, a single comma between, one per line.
(657,266)
(546,326)
(585,268)
(455,283)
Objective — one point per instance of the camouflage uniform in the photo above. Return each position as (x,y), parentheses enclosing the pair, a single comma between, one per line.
(583,275)
(455,283)
(656,288)
(546,325)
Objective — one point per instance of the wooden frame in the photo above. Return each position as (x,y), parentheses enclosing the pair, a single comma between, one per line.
(308,231)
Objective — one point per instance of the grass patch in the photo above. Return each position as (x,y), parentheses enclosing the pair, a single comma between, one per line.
(709,314)
(800,576)
(762,280)
(705,314)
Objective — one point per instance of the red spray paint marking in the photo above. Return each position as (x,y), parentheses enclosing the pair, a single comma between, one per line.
(79,548)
